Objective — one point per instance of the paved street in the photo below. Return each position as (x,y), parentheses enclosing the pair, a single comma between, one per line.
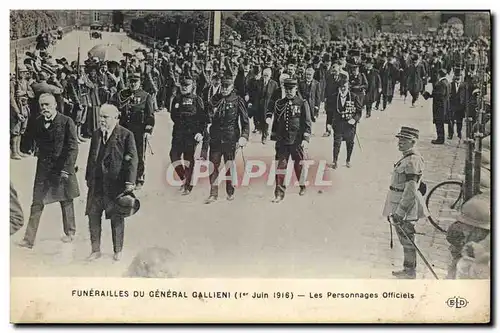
(339,233)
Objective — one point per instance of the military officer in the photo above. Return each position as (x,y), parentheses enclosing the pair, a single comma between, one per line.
(137,115)
(190,120)
(291,129)
(229,129)
(346,111)
(404,202)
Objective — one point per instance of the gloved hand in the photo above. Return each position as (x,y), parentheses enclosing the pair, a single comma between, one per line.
(329,127)
(269,121)
(64,176)
(351,121)
(397,218)
(247,98)
(242,142)
(198,137)
(304,144)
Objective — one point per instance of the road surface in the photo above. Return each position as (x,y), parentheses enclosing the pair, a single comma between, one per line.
(339,233)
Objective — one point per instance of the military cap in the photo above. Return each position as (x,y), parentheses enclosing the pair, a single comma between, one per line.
(291,61)
(369,60)
(135,76)
(408,133)
(186,81)
(290,83)
(327,57)
(442,72)
(343,78)
(62,61)
(227,81)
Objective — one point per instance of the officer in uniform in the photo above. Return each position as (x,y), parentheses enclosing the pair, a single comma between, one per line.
(137,115)
(404,202)
(226,133)
(291,129)
(346,111)
(190,120)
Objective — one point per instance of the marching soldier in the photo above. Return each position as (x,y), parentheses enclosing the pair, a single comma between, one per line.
(331,89)
(226,133)
(137,115)
(190,120)
(346,112)
(291,129)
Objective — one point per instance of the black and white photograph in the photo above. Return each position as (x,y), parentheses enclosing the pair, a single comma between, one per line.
(272,144)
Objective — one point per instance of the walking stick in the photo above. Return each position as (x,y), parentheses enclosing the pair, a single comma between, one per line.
(416,248)
(390,227)
(357,139)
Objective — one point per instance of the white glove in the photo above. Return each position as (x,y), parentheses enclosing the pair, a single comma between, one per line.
(352,121)
(247,98)
(304,144)
(269,121)
(242,142)
(329,127)
(249,105)
(198,137)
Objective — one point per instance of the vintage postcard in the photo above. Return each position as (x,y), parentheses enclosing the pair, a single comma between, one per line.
(250,166)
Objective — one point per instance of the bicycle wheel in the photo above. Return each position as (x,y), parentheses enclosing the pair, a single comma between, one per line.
(443,202)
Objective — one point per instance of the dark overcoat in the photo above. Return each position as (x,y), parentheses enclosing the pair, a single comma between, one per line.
(118,166)
(58,151)
(441,99)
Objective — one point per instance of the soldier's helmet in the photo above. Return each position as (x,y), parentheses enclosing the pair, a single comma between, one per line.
(476,212)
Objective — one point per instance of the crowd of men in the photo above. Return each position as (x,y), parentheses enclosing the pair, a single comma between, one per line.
(212,93)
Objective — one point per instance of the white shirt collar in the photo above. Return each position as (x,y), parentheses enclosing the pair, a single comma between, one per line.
(108,132)
(51,117)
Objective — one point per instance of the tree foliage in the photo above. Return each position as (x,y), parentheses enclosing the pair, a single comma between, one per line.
(277,26)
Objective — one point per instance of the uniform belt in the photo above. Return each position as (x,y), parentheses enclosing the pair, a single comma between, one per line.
(395,189)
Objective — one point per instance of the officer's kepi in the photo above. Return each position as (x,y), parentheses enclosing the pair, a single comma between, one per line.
(408,133)
(135,77)
(289,83)
(186,82)
(226,82)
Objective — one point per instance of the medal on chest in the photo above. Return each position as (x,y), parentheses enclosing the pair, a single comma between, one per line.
(187,101)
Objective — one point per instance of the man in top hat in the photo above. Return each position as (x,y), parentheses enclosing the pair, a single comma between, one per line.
(55,178)
(229,130)
(345,109)
(291,129)
(457,111)
(357,82)
(404,203)
(374,86)
(137,115)
(440,105)
(415,77)
(388,76)
(190,121)
(111,175)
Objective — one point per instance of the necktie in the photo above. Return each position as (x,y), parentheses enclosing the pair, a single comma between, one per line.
(104,137)
(47,123)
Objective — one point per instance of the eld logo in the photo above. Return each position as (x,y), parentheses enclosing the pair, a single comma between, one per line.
(457,302)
